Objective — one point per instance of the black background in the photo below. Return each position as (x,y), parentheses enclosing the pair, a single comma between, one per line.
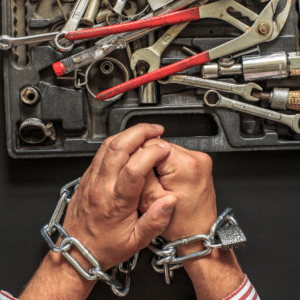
(262,187)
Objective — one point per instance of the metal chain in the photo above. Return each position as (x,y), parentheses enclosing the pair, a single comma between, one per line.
(67,241)
(165,259)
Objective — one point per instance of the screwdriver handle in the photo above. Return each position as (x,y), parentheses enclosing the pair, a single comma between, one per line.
(186,15)
(294,100)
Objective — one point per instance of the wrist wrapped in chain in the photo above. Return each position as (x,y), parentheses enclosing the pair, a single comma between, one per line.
(225,233)
(67,241)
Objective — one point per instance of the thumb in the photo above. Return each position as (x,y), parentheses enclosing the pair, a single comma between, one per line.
(153,222)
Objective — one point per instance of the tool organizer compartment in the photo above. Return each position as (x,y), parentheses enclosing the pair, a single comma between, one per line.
(76,123)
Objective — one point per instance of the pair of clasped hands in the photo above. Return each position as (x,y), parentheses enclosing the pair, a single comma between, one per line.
(178,202)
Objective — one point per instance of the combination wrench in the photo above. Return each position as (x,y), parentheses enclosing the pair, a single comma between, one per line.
(72,24)
(243,90)
(213,99)
(6,42)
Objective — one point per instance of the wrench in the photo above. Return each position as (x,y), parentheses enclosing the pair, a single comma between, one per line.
(213,99)
(153,53)
(72,24)
(240,89)
(6,42)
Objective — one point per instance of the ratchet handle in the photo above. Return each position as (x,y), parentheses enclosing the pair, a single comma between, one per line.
(181,16)
(182,65)
(294,100)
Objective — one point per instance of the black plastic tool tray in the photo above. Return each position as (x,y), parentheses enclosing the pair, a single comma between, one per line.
(82,123)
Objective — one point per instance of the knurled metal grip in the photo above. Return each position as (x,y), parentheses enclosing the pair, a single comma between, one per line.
(294,100)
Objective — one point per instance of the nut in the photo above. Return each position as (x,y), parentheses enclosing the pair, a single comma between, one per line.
(264,28)
(30,95)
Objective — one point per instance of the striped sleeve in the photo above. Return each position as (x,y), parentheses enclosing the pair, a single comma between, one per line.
(6,296)
(245,291)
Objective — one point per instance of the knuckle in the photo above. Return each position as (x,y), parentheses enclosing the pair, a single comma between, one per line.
(94,194)
(114,145)
(206,161)
(107,141)
(132,173)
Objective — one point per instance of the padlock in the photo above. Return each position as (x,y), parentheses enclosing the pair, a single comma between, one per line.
(231,236)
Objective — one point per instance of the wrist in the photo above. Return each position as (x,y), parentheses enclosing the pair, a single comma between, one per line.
(57,263)
(216,275)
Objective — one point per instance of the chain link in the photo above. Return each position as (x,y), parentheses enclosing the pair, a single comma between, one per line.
(67,242)
(166,261)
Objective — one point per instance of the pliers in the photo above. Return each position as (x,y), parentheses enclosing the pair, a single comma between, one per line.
(216,10)
(264,29)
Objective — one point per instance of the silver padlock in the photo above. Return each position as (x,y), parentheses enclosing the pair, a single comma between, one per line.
(231,235)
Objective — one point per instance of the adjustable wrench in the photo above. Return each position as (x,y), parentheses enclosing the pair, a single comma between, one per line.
(214,99)
(72,24)
(240,89)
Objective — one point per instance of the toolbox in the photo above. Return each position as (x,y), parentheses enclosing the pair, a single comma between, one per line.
(48,116)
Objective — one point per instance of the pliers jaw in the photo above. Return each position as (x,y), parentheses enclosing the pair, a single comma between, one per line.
(264,29)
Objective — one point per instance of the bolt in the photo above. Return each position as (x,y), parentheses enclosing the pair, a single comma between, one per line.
(264,28)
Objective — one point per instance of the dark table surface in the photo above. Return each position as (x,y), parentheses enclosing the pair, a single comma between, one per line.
(262,187)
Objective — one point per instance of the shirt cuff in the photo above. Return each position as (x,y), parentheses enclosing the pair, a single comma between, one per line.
(6,296)
(245,291)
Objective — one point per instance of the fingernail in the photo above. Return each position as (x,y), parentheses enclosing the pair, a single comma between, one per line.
(158,126)
(164,145)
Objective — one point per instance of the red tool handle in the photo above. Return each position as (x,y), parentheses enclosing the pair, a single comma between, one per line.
(181,16)
(182,65)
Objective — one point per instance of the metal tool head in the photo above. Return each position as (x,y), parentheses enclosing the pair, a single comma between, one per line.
(280,20)
(155,4)
(266,26)
(264,29)
(248,89)
(219,10)
(147,55)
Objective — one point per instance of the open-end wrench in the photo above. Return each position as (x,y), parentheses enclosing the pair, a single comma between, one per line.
(153,53)
(72,24)
(244,90)
(265,28)
(213,99)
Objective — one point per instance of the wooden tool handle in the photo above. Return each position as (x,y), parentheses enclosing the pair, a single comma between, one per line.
(294,100)
(187,15)
(182,65)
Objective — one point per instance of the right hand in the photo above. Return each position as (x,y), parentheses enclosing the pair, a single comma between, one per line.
(187,175)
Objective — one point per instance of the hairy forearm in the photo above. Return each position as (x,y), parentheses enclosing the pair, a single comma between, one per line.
(216,275)
(56,279)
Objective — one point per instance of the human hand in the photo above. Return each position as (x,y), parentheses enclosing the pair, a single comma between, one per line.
(102,214)
(187,175)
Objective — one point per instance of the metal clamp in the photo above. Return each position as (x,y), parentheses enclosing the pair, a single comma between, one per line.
(118,64)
